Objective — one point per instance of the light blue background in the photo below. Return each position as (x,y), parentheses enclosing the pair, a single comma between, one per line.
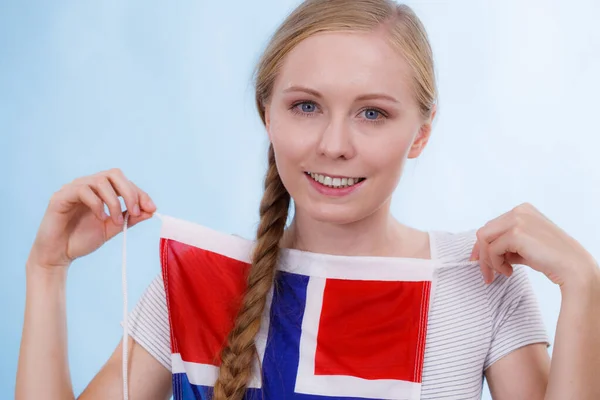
(164,92)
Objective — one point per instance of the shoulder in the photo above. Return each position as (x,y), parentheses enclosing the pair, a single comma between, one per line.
(460,291)
(503,295)
(455,246)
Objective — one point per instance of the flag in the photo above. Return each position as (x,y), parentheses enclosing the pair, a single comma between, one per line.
(334,327)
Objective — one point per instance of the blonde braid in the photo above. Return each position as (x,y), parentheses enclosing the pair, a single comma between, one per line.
(237,356)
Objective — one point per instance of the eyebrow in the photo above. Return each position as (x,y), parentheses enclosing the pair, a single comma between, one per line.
(369,96)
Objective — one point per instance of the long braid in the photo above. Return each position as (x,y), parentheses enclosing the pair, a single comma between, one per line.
(237,356)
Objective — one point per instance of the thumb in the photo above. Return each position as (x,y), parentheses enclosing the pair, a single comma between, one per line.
(514,258)
(113,229)
(135,220)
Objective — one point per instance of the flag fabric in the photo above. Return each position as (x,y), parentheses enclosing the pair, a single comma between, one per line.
(334,327)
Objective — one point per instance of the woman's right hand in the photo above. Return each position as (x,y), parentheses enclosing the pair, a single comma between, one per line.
(75,223)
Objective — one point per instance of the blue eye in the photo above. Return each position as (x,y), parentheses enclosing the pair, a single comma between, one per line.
(307,107)
(372,114)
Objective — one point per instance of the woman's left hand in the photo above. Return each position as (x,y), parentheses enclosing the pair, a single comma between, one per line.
(525,236)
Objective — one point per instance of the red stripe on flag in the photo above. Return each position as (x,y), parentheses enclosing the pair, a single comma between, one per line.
(204,294)
(373,329)
(423,332)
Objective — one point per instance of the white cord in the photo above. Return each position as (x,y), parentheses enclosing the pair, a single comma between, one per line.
(125,307)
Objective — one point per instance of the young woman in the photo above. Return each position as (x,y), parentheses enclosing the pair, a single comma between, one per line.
(346,91)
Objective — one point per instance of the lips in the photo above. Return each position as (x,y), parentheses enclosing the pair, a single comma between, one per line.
(334,181)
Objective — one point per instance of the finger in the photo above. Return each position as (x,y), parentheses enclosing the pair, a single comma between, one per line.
(475,252)
(146,202)
(498,250)
(504,268)
(496,227)
(108,195)
(86,195)
(507,268)
(514,258)
(123,187)
(112,230)
(486,269)
(486,235)
(136,220)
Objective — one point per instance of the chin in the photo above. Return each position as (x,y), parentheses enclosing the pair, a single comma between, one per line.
(340,214)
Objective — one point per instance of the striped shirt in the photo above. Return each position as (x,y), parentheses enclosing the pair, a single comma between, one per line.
(471,325)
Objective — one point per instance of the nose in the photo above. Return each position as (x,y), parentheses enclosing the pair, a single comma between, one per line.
(336,140)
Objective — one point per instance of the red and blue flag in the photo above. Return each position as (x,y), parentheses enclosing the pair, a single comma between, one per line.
(335,327)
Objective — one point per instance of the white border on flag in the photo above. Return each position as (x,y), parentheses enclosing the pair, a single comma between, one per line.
(303,262)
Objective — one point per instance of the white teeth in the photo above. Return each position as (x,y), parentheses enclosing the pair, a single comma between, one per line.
(333,182)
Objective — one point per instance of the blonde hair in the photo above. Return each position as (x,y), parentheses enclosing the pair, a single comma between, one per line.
(407,34)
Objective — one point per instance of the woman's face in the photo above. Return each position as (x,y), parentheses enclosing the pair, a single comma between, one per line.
(343,119)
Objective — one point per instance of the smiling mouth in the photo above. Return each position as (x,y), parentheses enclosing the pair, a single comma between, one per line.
(334,182)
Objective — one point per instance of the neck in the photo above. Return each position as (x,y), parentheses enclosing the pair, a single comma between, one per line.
(379,234)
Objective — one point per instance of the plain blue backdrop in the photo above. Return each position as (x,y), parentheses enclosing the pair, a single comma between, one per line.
(164,92)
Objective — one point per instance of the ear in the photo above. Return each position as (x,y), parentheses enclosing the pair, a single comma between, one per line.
(423,136)
(268,120)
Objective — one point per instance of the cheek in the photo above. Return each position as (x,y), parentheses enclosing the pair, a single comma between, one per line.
(292,140)
(289,151)
(386,156)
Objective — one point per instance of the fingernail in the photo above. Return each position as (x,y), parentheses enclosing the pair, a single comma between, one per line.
(473,256)
(120,219)
(136,210)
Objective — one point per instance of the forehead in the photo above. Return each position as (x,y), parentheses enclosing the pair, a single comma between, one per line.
(347,61)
